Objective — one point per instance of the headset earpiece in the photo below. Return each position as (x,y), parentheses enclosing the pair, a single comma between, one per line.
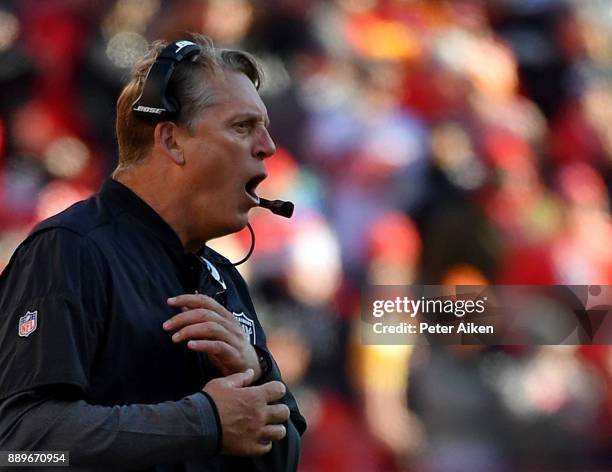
(154,103)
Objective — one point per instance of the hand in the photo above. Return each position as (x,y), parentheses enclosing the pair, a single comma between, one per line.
(209,327)
(248,421)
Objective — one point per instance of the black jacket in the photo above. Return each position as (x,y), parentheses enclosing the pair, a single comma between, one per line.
(82,303)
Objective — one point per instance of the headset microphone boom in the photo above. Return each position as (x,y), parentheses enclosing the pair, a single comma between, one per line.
(278,207)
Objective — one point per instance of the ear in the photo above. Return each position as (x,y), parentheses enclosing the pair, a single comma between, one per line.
(168,140)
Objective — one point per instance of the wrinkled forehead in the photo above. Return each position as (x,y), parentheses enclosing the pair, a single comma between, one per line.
(234,93)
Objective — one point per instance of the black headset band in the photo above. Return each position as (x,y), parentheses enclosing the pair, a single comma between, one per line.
(154,102)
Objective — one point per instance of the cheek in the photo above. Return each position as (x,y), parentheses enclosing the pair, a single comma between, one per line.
(205,164)
(215,165)
(227,161)
(218,188)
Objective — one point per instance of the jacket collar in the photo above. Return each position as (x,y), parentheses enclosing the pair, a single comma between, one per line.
(122,197)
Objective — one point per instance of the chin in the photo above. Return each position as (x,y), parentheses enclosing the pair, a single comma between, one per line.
(237,224)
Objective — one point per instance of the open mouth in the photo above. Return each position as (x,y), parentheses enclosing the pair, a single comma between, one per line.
(251,187)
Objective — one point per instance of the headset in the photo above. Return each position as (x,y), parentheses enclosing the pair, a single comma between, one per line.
(156,104)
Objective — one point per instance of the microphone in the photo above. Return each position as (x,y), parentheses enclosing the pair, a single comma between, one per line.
(278,207)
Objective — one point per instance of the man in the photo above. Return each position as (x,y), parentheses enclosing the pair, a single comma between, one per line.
(110,347)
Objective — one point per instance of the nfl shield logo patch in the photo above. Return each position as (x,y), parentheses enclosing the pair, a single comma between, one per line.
(28,323)
(247,325)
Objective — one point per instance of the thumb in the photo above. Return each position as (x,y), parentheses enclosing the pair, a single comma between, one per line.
(241,379)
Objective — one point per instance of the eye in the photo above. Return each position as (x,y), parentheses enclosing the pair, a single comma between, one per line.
(243,126)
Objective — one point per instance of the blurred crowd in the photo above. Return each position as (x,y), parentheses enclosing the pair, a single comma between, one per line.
(423,141)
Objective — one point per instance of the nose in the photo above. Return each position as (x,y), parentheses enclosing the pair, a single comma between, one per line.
(264,146)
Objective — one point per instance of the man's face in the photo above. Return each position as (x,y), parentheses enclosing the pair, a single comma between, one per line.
(224,158)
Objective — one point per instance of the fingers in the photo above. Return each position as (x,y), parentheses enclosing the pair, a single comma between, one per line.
(272,432)
(216,348)
(239,380)
(200,309)
(195,301)
(198,315)
(261,449)
(209,330)
(276,414)
(272,391)
(250,424)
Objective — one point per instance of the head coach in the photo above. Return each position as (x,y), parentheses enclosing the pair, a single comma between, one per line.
(124,339)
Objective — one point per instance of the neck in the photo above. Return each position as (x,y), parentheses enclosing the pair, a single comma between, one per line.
(157,191)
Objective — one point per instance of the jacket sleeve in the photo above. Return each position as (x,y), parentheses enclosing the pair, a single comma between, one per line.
(57,278)
(133,436)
